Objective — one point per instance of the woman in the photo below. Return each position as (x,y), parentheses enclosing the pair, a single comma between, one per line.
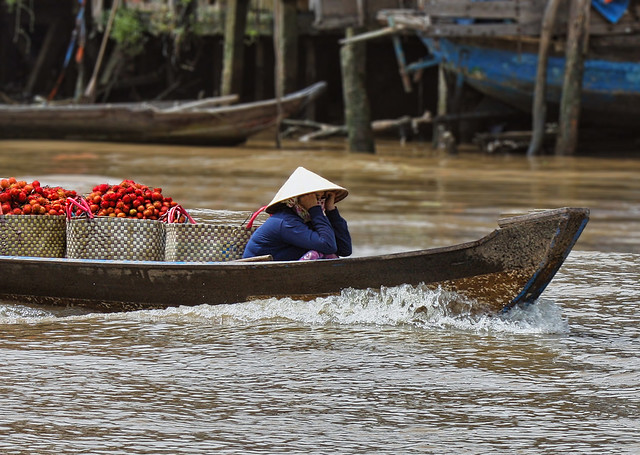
(305,222)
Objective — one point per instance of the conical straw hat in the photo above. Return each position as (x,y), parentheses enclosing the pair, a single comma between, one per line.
(303,181)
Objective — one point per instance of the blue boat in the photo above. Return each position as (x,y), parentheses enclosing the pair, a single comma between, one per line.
(610,88)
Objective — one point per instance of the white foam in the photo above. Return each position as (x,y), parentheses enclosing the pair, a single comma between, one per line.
(415,306)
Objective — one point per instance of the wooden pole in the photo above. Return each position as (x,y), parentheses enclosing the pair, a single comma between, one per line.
(278,65)
(310,75)
(52,37)
(233,59)
(539,111)
(442,107)
(577,39)
(287,75)
(90,92)
(260,73)
(356,102)
(5,44)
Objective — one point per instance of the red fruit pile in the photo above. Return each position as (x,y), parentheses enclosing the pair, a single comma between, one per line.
(129,200)
(22,198)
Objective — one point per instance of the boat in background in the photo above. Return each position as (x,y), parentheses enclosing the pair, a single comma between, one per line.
(510,266)
(505,70)
(495,47)
(199,122)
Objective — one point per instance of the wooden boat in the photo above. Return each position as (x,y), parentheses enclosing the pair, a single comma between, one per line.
(494,47)
(511,265)
(194,122)
(500,70)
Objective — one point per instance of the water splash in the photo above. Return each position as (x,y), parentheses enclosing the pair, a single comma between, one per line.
(405,305)
(13,314)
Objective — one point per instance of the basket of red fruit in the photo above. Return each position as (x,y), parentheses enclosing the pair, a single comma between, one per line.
(118,222)
(32,221)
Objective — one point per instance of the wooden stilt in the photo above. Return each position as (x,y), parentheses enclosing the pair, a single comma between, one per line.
(4,44)
(288,46)
(539,111)
(217,69)
(577,38)
(311,75)
(260,69)
(90,92)
(51,41)
(234,31)
(442,108)
(79,91)
(356,102)
(279,64)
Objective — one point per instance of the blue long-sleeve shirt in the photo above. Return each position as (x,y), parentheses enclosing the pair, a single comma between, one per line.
(286,237)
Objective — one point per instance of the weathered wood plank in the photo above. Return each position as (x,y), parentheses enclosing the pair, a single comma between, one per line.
(496,9)
(332,14)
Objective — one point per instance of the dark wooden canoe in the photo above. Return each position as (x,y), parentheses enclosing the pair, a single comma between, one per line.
(511,265)
(194,122)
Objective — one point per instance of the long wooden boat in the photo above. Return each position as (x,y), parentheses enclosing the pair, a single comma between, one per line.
(195,122)
(511,265)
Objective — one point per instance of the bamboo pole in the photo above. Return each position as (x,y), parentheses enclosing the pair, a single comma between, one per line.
(539,111)
(577,40)
(356,102)
(233,59)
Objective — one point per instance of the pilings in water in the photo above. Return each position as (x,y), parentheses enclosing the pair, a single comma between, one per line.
(234,31)
(539,108)
(356,102)
(287,73)
(577,37)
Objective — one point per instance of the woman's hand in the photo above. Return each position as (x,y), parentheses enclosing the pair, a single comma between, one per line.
(330,201)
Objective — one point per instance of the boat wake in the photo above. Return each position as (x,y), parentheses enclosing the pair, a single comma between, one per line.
(414,306)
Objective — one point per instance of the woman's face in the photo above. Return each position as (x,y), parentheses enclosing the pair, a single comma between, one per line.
(319,195)
(310,199)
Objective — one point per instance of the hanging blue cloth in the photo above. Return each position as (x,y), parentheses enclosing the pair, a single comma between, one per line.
(612,10)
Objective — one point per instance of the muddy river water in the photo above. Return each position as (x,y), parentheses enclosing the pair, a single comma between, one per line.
(364,372)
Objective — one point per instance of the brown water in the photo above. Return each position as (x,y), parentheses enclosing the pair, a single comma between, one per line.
(385,372)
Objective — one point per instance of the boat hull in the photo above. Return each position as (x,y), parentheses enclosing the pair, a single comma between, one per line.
(610,89)
(222,125)
(511,265)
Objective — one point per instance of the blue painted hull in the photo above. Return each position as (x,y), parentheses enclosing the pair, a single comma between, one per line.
(610,92)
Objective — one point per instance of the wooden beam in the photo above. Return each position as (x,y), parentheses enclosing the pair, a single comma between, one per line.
(577,37)
(233,60)
(311,73)
(43,62)
(493,9)
(356,102)
(539,109)
(288,46)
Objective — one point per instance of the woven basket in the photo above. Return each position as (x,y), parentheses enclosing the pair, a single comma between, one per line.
(32,235)
(205,242)
(104,237)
